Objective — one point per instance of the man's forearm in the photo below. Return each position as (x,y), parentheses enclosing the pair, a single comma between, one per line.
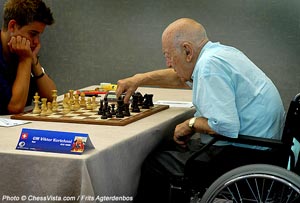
(161,78)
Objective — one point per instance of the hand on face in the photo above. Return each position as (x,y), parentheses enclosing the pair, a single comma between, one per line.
(20,46)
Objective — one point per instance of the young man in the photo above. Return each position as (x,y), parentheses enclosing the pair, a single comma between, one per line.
(230,93)
(21,74)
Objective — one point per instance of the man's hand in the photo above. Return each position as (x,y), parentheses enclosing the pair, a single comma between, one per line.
(127,86)
(36,50)
(182,133)
(20,46)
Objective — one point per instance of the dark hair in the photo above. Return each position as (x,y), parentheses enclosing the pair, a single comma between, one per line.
(26,11)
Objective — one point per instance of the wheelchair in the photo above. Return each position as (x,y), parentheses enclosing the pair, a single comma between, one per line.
(264,179)
(261,183)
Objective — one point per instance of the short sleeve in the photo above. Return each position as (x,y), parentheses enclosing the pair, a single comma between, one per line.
(217,104)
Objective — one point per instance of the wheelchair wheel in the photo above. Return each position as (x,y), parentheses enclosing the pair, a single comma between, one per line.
(256,183)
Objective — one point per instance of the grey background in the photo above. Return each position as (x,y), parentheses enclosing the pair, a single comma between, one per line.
(95,41)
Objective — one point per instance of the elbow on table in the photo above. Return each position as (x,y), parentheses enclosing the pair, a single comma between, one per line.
(15,109)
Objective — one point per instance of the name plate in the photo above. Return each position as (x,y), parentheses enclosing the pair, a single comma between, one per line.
(53,141)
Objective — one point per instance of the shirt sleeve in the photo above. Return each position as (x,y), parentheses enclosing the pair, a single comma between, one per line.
(217,104)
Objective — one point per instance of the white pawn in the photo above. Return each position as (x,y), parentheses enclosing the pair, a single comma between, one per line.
(49,109)
(82,99)
(76,102)
(89,104)
(94,103)
(44,107)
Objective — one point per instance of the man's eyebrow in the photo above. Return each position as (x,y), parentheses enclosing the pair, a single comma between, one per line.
(34,31)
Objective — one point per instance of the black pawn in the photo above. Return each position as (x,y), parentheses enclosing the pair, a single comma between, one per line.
(113,111)
(100,111)
(104,115)
(140,98)
(146,102)
(108,113)
(126,110)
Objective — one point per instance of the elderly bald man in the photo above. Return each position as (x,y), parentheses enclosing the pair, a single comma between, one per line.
(230,93)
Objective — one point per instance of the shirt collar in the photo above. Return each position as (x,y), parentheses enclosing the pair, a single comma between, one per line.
(206,46)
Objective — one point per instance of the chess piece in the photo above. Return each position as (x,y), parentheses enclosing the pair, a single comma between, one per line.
(66,101)
(76,102)
(113,111)
(150,100)
(126,110)
(66,109)
(71,98)
(36,109)
(94,103)
(135,103)
(104,115)
(71,94)
(44,107)
(49,108)
(108,112)
(120,106)
(82,99)
(100,111)
(147,101)
(140,98)
(54,100)
(89,104)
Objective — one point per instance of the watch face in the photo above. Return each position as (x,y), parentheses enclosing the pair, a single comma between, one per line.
(191,122)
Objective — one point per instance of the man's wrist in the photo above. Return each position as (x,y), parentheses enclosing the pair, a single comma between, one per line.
(35,61)
(41,74)
(192,123)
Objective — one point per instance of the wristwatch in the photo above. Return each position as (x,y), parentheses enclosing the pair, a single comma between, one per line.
(192,122)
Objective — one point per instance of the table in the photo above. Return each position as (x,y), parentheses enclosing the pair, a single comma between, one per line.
(111,170)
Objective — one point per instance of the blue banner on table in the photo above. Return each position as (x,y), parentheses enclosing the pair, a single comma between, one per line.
(53,141)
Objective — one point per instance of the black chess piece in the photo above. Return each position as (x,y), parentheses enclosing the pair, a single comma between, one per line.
(120,106)
(140,98)
(146,102)
(150,99)
(105,107)
(113,111)
(126,110)
(108,113)
(135,104)
(104,115)
(100,111)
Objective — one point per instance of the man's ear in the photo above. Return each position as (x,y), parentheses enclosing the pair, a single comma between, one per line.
(12,25)
(188,50)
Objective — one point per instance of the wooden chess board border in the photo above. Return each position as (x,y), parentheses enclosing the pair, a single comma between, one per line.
(114,121)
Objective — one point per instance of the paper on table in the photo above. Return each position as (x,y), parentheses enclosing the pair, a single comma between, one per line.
(5,122)
(175,103)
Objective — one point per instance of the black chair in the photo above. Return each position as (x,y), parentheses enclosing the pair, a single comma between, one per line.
(196,180)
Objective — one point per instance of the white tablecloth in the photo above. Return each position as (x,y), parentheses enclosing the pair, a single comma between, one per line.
(110,170)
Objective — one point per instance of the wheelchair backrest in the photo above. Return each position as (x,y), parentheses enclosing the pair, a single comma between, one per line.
(292,123)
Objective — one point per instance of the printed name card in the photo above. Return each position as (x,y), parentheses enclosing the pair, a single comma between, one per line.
(53,141)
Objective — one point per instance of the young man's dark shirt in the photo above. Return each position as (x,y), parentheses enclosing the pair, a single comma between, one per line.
(7,78)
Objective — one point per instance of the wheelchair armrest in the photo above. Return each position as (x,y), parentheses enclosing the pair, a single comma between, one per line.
(251,140)
(242,139)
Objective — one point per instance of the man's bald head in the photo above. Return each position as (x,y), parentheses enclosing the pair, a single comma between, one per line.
(185,30)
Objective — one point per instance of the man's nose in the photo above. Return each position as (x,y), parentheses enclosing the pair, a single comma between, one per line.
(169,63)
(36,40)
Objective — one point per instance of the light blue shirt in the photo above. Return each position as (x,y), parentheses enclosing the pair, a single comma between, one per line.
(235,95)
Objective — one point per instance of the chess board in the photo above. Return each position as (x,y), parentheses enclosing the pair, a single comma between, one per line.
(84,116)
